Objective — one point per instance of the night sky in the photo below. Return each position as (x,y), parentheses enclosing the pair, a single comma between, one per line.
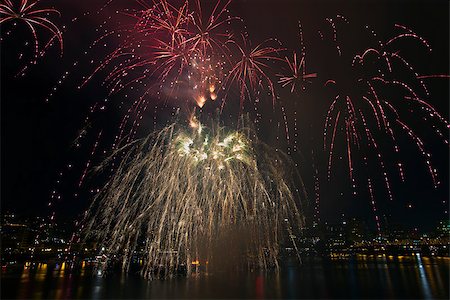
(38,137)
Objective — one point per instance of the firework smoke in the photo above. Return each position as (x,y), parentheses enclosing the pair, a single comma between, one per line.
(177,195)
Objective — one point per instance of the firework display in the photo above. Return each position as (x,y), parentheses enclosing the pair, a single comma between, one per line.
(347,107)
(179,194)
(192,53)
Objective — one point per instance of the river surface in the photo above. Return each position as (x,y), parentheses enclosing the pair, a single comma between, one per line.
(380,277)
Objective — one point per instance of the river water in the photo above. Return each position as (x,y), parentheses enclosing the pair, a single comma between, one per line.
(380,277)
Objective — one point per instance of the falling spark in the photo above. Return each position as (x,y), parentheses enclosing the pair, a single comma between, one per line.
(179,193)
(35,18)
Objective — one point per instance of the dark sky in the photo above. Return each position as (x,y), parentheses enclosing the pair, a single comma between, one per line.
(37,137)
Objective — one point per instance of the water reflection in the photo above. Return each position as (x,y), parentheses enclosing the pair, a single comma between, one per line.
(354,277)
(259,287)
(384,275)
(423,278)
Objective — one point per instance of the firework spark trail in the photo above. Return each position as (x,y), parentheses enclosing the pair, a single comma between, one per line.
(332,23)
(414,97)
(316,213)
(249,73)
(374,205)
(207,35)
(373,89)
(424,153)
(181,192)
(298,75)
(35,18)
(379,156)
(138,107)
(330,157)
(88,163)
(383,52)
(327,122)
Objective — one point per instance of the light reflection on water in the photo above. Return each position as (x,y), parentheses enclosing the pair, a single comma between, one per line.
(356,277)
(423,278)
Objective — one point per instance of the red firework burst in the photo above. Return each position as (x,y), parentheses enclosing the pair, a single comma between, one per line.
(186,48)
(35,18)
(298,77)
(250,71)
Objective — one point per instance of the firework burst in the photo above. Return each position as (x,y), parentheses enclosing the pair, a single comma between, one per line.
(29,12)
(178,194)
(375,104)
(298,77)
(250,71)
(188,52)
(376,109)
